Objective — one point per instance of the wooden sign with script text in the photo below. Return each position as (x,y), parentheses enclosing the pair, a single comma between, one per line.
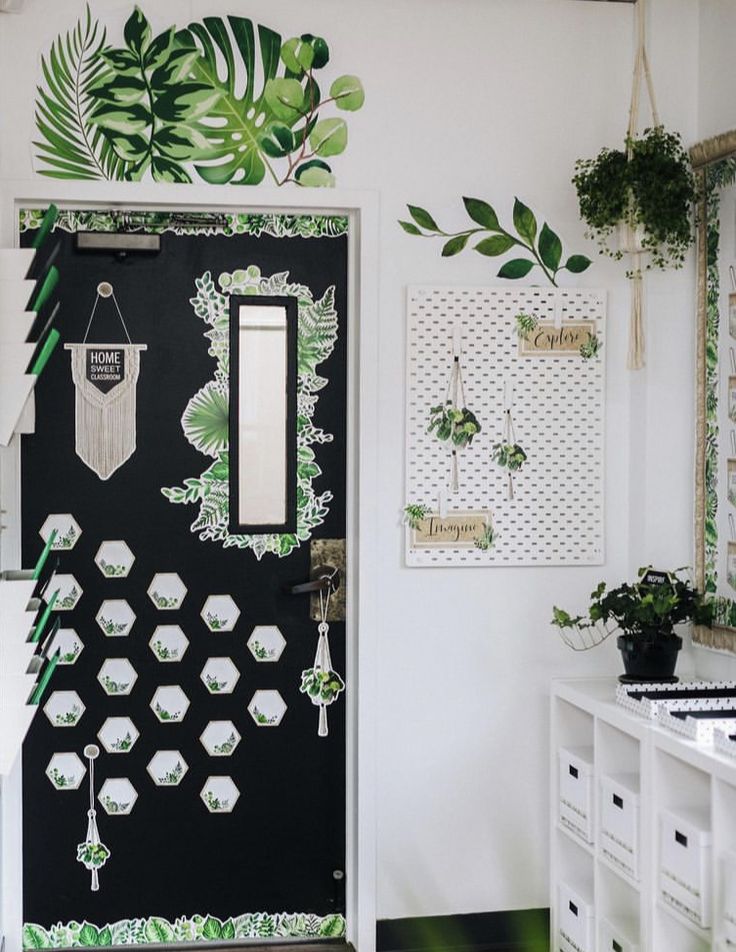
(456,530)
(546,340)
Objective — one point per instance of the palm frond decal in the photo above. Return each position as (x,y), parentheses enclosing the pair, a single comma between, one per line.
(70,147)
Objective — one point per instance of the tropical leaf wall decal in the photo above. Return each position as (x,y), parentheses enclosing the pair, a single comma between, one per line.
(70,147)
(159,106)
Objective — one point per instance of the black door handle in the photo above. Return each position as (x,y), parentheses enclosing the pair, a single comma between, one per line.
(325,578)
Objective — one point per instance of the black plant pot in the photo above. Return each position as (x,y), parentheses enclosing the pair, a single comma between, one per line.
(649,660)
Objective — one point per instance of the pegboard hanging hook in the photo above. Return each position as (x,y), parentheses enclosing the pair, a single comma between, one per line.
(558,308)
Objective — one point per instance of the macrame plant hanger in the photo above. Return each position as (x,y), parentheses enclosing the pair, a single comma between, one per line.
(509,432)
(93,854)
(328,685)
(455,393)
(641,72)
(105,401)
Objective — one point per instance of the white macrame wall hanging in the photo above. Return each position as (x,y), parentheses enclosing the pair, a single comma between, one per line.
(105,379)
(321,683)
(92,853)
(631,242)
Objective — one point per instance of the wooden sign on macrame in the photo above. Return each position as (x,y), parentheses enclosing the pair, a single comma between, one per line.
(105,379)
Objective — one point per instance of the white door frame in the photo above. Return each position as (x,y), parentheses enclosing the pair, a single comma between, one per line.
(362,209)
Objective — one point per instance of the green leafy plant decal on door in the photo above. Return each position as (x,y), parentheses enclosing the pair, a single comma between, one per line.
(205,420)
(161,105)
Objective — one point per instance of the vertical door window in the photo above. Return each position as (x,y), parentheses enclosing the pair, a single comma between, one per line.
(263,414)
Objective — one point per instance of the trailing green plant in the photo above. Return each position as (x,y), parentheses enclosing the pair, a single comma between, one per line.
(509,456)
(653,190)
(92,855)
(645,609)
(542,245)
(450,423)
(172,105)
(321,686)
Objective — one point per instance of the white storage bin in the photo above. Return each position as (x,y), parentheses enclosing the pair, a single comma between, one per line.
(619,935)
(619,826)
(575,920)
(576,791)
(728,897)
(684,863)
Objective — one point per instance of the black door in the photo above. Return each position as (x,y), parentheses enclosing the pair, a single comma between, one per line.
(186,667)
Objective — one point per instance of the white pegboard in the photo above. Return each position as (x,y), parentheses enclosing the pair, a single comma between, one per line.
(556,516)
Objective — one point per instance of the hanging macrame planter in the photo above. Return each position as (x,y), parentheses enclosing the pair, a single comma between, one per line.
(92,854)
(452,422)
(508,454)
(105,379)
(320,683)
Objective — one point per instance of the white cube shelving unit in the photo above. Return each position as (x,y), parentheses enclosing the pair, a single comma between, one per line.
(664,785)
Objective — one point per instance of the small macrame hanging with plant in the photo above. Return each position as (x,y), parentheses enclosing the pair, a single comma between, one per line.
(92,853)
(452,422)
(321,683)
(507,453)
(643,195)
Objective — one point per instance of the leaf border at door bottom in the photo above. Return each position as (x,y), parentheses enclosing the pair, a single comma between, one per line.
(156,929)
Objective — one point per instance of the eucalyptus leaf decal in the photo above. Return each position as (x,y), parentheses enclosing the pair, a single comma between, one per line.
(174,106)
(543,246)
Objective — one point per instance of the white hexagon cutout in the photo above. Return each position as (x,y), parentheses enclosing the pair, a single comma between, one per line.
(115,617)
(64,708)
(114,558)
(67,531)
(69,589)
(220,675)
(267,708)
(69,645)
(167,767)
(118,735)
(169,704)
(168,643)
(266,643)
(220,613)
(65,771)
(167,591)
(117,796)
(219,794)
(117,676)
(220,738)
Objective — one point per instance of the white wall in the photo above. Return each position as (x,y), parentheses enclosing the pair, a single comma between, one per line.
(488,98)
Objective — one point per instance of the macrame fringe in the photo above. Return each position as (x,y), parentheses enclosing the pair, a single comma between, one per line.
(105,423)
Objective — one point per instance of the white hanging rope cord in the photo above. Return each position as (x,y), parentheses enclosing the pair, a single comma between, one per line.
(109,292)
(641,71)
(455,397)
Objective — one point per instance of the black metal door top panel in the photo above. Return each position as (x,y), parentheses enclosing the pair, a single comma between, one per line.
(222,809)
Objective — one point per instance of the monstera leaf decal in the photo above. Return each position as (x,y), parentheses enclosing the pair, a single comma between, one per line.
(242,123)
(165,106)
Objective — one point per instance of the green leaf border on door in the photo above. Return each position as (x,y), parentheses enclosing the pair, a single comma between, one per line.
(157,929)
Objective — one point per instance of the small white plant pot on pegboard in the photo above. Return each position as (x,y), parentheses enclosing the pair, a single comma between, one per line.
(619,935)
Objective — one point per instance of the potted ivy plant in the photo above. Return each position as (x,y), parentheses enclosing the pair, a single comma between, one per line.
(645,192)
(645,613)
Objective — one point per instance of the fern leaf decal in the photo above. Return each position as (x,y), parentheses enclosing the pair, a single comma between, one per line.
(70,147)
